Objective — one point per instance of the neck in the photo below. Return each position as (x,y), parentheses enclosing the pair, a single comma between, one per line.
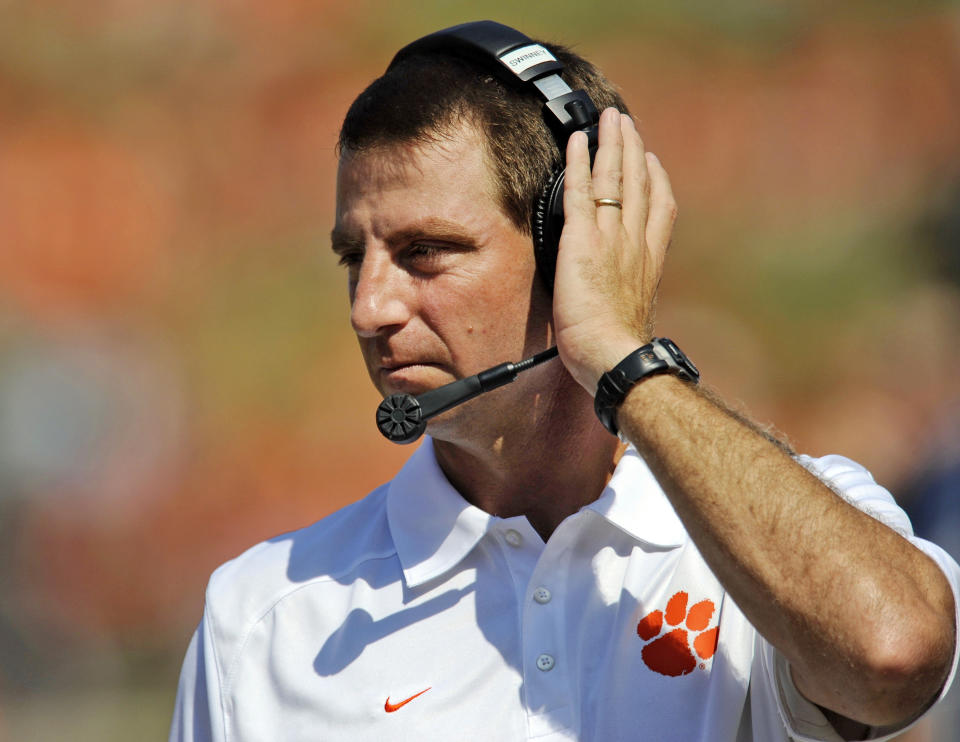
(549,462)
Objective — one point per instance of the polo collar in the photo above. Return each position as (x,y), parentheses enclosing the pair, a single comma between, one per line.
(635,503)
(432,526)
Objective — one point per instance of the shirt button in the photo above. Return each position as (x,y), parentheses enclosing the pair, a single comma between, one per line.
(542,595)
(513,537)
(545,662)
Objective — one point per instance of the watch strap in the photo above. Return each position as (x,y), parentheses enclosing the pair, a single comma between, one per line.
(660,355)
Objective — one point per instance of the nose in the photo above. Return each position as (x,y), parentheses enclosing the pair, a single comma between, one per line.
(378,295)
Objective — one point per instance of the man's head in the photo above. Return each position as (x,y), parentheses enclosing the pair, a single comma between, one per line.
(440,165)
(426,97)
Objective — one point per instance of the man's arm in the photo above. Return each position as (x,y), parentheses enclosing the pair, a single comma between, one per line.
(865,619)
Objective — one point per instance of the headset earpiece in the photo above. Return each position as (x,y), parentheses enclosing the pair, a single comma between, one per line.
(547,224)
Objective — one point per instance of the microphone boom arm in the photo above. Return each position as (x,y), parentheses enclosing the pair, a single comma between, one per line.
(402,418)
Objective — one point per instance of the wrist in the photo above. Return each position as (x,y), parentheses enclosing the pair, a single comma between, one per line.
(587,360)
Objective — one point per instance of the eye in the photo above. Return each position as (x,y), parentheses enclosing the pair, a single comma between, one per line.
(350,258)
(424,251)
(436,255)
(427,258)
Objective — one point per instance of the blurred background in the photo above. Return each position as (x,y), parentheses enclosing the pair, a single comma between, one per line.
(178,379)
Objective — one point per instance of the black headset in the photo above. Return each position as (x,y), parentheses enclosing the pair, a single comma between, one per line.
(523,64)
(529,67)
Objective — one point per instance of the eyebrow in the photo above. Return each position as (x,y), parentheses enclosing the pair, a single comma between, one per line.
(341,242)
(434,228)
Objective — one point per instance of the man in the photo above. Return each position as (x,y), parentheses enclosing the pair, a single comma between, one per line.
(527,574)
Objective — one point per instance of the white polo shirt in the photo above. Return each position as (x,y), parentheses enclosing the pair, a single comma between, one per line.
(412,615)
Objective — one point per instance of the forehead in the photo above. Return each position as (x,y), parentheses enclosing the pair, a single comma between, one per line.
(450,173)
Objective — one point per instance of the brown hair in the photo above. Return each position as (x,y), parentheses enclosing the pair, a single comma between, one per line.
(425,98)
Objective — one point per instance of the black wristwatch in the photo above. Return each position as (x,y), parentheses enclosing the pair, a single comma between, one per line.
(659,356)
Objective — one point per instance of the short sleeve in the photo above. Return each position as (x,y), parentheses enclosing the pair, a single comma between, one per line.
(804,720)
(197,713)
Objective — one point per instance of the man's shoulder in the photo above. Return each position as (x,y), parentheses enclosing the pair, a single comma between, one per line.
(248,586)
(855,484)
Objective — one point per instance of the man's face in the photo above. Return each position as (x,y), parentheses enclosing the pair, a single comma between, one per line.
(442,284)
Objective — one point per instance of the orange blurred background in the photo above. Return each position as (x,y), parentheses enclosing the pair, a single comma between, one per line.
(178,379)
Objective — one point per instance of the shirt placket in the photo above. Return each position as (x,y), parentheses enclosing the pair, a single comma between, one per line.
(540,595)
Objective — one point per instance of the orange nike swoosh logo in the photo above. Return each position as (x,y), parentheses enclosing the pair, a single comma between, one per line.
(391,707)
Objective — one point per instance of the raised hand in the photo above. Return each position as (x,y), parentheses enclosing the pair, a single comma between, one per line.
(618,223)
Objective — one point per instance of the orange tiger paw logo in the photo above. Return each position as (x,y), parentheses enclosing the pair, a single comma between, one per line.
(671,653)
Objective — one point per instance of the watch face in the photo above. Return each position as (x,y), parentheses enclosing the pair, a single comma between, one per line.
(614,385)
(684,366)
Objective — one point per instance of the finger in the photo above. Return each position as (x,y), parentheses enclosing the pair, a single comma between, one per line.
(578,206)
(636,180)
(608,168)
(663,210)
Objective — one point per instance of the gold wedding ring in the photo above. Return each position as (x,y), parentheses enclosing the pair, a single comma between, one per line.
(608,202)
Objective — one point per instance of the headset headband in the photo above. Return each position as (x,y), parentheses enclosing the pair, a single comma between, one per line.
(518,61)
